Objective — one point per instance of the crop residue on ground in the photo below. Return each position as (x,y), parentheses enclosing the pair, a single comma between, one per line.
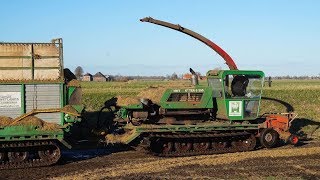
(165,164)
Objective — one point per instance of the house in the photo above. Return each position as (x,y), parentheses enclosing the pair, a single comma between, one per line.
(187,76)
(99,77)
(87,77)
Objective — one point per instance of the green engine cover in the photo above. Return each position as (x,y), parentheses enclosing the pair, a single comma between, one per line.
(230,94)
(191,98)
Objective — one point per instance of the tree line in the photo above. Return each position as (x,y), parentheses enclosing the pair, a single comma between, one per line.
(78,72)
(296,77)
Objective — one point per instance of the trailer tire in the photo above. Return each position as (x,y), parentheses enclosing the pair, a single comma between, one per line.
(293,139)
(18,156)
(269,138)
(2,156)
(50,152)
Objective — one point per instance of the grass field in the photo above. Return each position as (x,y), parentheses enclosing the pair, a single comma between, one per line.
(302,95)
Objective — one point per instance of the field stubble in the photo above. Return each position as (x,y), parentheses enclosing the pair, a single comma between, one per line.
(229,165)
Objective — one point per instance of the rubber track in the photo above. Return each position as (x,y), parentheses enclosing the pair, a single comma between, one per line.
(29,162)
(229,149)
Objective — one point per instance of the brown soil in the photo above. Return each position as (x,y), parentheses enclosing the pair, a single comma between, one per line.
(69,109)
(31,121)
(74,83)
(124,101)
(4,120)
(286,162)
(35,121)
(50,126)
(152,93)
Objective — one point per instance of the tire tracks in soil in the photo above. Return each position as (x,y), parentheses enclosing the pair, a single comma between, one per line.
(157,165)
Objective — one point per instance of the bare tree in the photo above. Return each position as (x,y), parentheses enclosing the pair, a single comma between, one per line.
(174,76)
(78,72)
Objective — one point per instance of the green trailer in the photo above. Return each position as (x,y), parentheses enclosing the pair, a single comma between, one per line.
(39,102)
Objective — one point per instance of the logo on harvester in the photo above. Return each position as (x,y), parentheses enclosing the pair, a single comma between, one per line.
(235,108)
(10,100)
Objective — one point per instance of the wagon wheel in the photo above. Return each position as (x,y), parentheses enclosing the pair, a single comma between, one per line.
(293,139)
(136,122)
(250,143)
(244,145)
(161,146)
(201,146)
(51,152)
(2,156)
(237,144)
(167,147)
(182,146)
(269,138)
(17,156)
(219,145)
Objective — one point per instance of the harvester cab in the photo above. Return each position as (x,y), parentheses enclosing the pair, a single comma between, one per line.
(236,94)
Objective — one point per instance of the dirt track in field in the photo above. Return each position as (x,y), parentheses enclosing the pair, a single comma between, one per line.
(283,162)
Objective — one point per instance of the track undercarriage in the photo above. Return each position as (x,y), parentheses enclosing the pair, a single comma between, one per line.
(175,145)
(28,154)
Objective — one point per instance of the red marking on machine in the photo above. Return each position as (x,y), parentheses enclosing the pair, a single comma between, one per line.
(281,124)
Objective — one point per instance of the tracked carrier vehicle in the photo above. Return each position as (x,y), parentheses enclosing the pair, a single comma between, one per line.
(220,116)
(39,101)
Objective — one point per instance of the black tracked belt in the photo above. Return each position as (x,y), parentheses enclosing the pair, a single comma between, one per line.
(27,147)
(214,137)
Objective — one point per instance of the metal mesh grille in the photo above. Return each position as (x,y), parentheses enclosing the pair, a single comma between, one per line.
(44,96)
(185,97)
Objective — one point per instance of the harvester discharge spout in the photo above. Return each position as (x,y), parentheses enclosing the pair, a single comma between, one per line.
(212,45)
(194,78)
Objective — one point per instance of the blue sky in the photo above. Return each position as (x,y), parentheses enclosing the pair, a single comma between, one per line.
(278,37)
